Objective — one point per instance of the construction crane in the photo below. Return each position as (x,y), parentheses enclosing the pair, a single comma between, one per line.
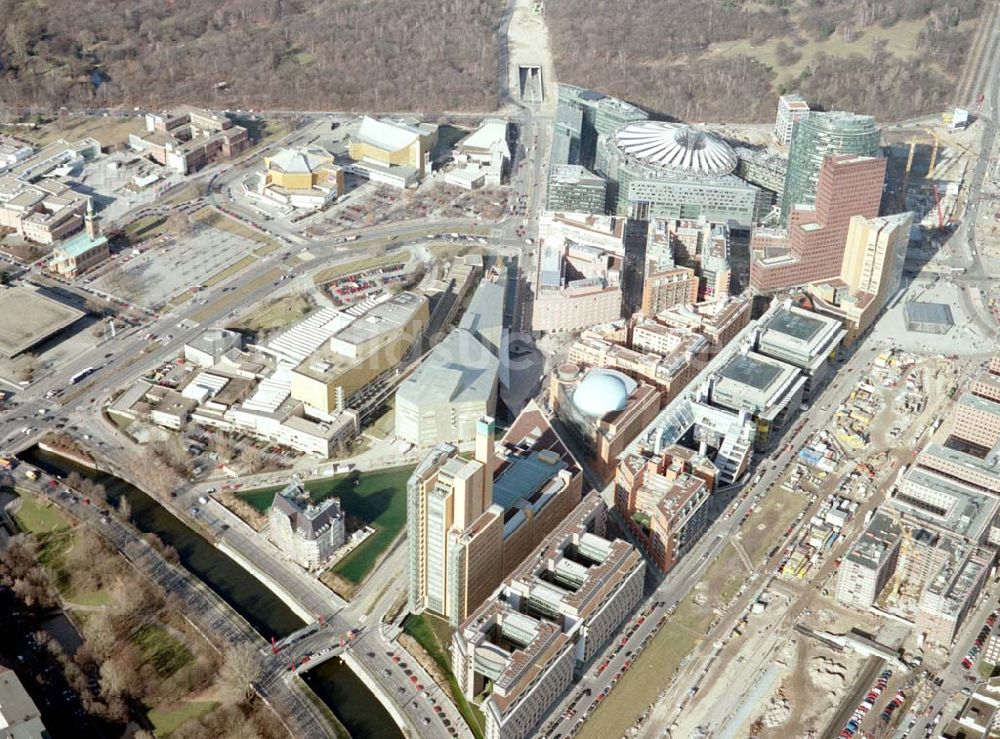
(901,200)
(934,151)
(937,202)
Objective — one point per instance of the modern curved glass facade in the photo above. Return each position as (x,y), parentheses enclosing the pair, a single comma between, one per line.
(641,190)
(816,137)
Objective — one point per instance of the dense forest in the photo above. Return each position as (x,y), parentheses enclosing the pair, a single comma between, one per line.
(292,54)
(663,54)
(668,55)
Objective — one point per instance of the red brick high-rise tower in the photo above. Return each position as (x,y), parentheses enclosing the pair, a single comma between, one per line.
(812,248)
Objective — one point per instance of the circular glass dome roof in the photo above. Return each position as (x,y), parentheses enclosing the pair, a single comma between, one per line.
(603,391)
(677,146)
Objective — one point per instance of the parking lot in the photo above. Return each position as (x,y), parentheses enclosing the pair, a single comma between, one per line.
(162,273)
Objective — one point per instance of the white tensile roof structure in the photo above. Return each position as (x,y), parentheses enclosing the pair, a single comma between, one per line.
(677,146)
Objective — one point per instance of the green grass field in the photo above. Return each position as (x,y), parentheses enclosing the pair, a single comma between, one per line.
(276,314)
(215,219)
(686,628)
(649,673)
(231,270)
(378,500)
(358,265)
(900,39)
(161,649)
(146,227)
(434,635)
(92,598)
(107,131)
(168,720)
(36,516)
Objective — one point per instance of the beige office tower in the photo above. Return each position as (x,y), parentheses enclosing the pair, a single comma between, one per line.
(870,274)
(470,522)
(874,254)
(445,494)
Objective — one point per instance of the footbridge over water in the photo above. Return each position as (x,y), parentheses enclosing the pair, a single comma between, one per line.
(312,645)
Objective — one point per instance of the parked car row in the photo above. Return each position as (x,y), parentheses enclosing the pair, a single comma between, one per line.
(970,658)
(854,723)
(892,705)
(418,687)
(631,653)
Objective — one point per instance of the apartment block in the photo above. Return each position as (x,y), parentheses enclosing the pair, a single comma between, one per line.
(663,498)
(308,533)
(982,472)
(976,420)
(604,408)
(816,137)
(574,189)
(943,506)
(698,244)
(952,591)
(870,563)
(871,272)
(43,212)
(471,521)
(802,338)
(520,650)
(791,110)
(669,372)
(767,389)
(718,320)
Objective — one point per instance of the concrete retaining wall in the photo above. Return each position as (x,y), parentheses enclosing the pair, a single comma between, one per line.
(275,587)
(376,689)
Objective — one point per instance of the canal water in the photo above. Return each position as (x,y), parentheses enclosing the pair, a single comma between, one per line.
(343,691)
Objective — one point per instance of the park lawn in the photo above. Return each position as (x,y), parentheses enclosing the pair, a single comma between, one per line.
(158,647)
(231,270)
(92,598)
(37,516)
(770,519)
(377,500)
(191,191)
(358,265)
(146,227)
(685,629)
(434,635)
(215,219)
(168,720)
(108,131)
(276,314)
(901,41)
(227,301)
(650,672)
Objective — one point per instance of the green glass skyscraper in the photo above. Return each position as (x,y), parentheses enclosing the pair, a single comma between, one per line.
(816,137)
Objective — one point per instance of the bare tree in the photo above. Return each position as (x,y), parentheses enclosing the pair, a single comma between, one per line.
(240,669)
(29,366)
(253,458)
(156,477)
(180,223)
(174,454)
(222,445)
